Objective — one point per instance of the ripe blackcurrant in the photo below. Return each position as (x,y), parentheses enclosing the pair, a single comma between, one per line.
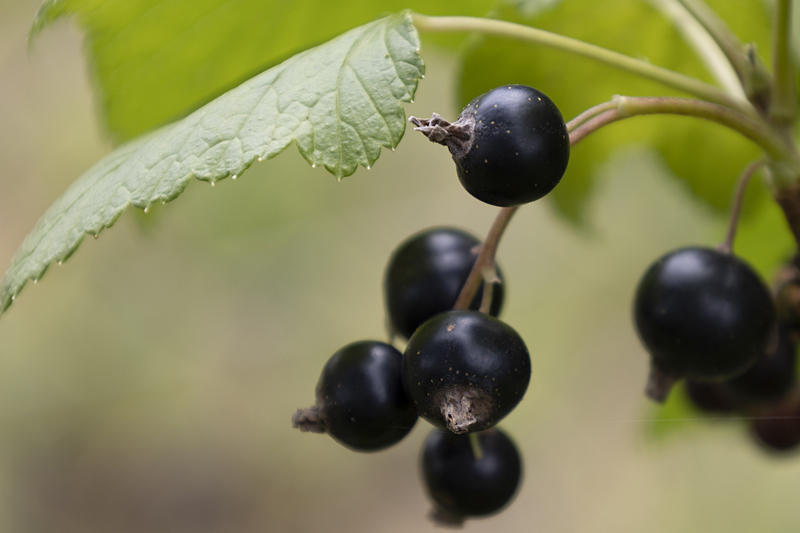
(425,275)
(465,370)
(777,429)
(360,398)
(463,485)
(711,397)
(510,145)
(772,376)
(701,314)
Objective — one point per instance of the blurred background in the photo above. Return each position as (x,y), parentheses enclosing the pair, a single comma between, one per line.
(147,385)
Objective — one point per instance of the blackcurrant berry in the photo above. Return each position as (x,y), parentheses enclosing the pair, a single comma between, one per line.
(425,275)
(462,484)
(360,398)
(510,145)
(465,370)
(772,376)
(777,429)
(711,397)
(701,314)
(788,298)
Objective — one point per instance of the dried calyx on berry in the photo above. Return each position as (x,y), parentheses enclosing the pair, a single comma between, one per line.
(510,145)
(465,370)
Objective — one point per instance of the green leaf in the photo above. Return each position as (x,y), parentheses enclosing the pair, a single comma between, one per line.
(674,415)
(340,102)
(706,156)
(155,61)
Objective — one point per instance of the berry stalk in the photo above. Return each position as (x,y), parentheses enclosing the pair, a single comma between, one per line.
(736,209)
(587,122)
(485,257)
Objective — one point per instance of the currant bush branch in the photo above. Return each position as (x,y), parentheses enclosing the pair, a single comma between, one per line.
(622,107)
(783,108)
(727,41)
(647,70)
(707,48)
(629,106)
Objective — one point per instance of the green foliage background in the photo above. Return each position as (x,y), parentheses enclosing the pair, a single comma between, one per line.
(147,384)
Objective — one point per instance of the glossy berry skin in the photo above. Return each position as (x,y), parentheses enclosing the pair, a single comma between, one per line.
(465,370)
(425,275)
(360,398)
(703,314)
(773,375)
(519,147)
(461,485)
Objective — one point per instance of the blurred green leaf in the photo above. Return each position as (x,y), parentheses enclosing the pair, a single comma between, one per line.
(672,416)
(341,102)
(706,156)
(155,61)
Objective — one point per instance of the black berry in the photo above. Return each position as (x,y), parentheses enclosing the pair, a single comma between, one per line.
(510,145)
(711,397)
(462,485)
(773,375)
(701,314)
(777,429)
(360,398)
(465,370)
(425,275)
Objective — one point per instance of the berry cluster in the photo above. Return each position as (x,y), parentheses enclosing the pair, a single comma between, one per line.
(766,394)
(702,314)
(463,370)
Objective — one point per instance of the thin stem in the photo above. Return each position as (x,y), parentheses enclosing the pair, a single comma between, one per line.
(755,130)
(489,247)
(662,75)
(784,95)
(489,279)
(590,114)
(754,77)
(603,119)
(736,209)
(727,41)
(702,40)
(485,257)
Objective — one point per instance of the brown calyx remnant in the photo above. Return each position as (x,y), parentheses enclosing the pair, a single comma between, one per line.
(659,383)
(443,518)
(457,136)
(310,419)
(464,406)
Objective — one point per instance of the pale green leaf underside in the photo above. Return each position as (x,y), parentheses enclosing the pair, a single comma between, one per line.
(154,61)
(340,102)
